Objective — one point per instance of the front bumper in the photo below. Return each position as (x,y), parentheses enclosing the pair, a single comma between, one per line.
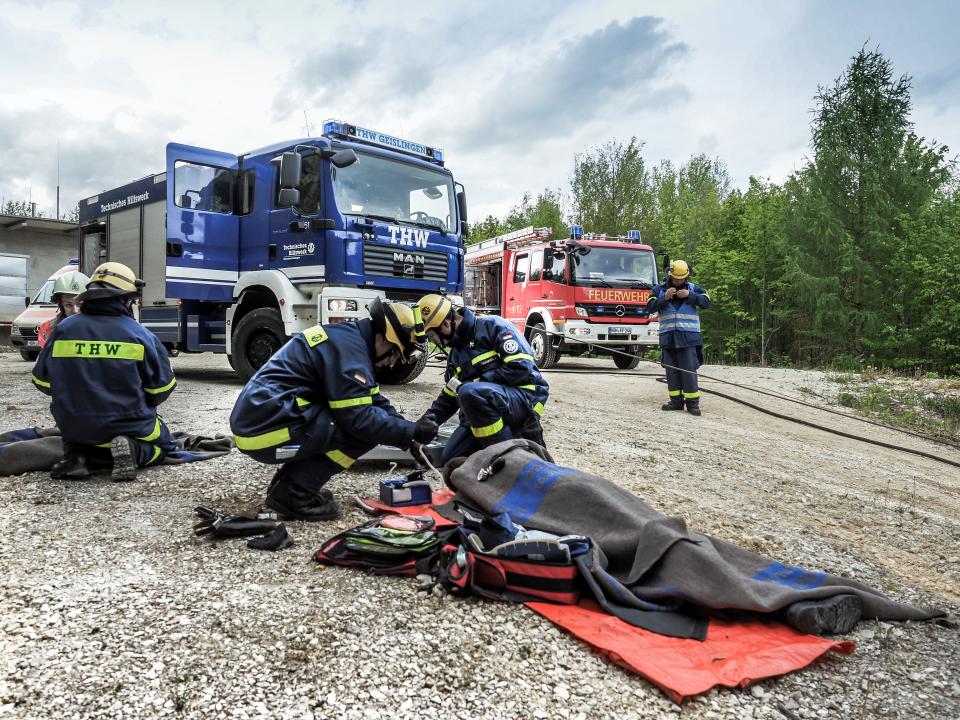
(24,340)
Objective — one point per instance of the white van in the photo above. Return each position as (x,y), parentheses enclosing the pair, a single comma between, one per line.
(26,326)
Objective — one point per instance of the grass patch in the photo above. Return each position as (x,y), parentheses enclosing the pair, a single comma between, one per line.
(931,413)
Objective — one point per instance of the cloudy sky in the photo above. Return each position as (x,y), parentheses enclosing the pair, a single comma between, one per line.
(511,89)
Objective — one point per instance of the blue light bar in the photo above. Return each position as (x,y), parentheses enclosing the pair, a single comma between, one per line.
(633,235)
(576,232)
(340,129)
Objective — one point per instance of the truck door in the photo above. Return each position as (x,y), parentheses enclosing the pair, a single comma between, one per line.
(203,229)
(515,289)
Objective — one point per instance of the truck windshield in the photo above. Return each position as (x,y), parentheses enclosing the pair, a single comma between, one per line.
(614,267)
(395,190)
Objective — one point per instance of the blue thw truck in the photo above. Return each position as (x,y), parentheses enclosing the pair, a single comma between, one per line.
(239,252)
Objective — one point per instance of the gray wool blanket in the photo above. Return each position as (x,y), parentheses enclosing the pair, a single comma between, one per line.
(641,558)
(32,449)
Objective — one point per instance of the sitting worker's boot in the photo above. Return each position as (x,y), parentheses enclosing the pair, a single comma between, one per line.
(693,409)
(123,452)
(293,502)
(671,406)
(72,467)
(832,615)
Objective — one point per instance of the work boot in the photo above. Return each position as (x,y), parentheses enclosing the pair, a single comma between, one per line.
(671,406)
(832,615)
(694,409)
(293,502)
(123,451)
(72,467)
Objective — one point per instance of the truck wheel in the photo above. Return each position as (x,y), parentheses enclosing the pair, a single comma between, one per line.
(29,355)
(623,362)
(401,373)
(258,336)
(543,353)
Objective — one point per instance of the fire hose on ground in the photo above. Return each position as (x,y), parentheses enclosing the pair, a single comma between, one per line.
(766,411)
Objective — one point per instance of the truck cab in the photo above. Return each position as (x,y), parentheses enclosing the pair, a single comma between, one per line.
(584,294)
(239,252)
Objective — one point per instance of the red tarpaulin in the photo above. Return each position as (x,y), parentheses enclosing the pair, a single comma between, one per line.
(733,653)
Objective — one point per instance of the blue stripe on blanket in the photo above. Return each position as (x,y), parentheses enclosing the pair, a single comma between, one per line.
(790,576)
(528,492)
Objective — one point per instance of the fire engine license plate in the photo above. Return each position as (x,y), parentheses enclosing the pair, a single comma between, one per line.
(618,330)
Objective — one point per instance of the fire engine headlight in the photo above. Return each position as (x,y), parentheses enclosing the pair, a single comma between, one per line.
(579,331)
(340,305)
(581,311)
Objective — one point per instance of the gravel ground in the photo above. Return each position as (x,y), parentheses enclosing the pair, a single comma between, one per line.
(111,609)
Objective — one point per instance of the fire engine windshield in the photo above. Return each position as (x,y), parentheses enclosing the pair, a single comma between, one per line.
(613,267)
(396,191)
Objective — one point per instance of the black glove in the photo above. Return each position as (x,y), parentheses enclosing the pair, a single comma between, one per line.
(214,522)
(425,429)
(279,539)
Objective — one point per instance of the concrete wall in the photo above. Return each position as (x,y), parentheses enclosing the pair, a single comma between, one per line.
(48,250)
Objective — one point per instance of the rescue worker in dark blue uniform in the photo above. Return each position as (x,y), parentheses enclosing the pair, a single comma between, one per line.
(315,406)
(491,378)
(106,375)
(678,301)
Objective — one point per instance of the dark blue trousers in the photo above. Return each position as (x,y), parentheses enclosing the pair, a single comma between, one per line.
(489,413)
(682,387)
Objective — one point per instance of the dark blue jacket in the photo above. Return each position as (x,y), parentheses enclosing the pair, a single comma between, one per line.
(326,369)
(490,349)
(106,374)
(679,320)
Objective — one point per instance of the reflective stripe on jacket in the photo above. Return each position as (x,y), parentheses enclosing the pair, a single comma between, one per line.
(490,349)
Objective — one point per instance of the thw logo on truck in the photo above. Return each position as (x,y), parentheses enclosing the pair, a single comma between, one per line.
(408,237)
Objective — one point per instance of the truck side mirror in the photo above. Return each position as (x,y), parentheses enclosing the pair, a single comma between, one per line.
(462,207)
(344,158)
(288,197)
(26,301)
(290,171)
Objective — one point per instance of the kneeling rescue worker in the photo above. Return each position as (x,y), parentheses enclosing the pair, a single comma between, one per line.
(677,300)
(315,406)
(491,378)
(106,374)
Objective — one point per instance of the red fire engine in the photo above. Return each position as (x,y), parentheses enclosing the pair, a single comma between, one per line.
(585,294)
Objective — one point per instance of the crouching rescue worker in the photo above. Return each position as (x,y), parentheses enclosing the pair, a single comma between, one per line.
(315,406)
(491,378)
(678,302)
(65,291)
(106,375)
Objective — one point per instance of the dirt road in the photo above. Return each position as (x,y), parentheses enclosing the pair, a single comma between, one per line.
(111,609)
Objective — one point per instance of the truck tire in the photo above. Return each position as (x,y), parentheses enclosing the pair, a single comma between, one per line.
(623,362)
(258,335)
(543,353)
(29,355)
(401,373)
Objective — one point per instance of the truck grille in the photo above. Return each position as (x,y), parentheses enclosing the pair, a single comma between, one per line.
(627,312)
(388,261)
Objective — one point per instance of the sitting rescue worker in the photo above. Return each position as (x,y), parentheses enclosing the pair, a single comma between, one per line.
(106,375)
(491,378)
(678,300)
(315,406)
(65,291)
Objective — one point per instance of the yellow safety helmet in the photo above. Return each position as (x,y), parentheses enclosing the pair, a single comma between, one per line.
(400,324)
(434,309)
(679,270)
(112,279)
